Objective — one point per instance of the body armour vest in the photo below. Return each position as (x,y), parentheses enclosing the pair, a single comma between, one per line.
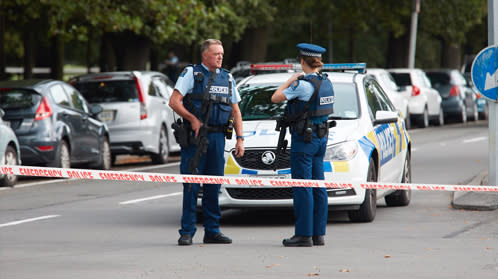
(321,106)
(220,94)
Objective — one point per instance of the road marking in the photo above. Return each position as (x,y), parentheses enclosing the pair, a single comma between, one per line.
(28,220)
(474,139)
(151,198)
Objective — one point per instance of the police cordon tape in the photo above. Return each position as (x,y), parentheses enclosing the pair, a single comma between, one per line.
(247,181)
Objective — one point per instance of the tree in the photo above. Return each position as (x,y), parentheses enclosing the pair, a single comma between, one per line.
(449,22)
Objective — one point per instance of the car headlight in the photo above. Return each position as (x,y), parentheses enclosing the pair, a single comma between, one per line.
(343,151)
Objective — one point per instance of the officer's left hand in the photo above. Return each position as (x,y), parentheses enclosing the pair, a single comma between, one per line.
(239,148)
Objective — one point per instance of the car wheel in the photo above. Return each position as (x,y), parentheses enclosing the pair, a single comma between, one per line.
(424,119)
(10,159)
(408,122)
(440,118)
(483,115)
(368,208)
(463,116)
(63,157)
(105,160)
(402,197)
(475,113)
(162,156)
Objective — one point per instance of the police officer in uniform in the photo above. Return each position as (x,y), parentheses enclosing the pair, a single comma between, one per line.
(309,131)
(187,101)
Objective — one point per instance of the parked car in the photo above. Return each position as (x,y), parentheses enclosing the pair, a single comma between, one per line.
(400,101)
(9,151)
(425,103)
(481,100)
(136,110)
(54,124)
(368,143)
(459,100)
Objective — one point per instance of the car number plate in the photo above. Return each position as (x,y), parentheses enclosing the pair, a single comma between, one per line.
(106,115)
(273,176)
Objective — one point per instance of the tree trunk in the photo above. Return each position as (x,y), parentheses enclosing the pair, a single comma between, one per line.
(133,51)
(57,58)
(253,45)
(352,53)
(154,59)
(3,74)
(397,51)
(29,52)
(107,61)
(450,56)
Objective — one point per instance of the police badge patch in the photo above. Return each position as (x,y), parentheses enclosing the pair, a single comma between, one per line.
(294,85)
(184,72)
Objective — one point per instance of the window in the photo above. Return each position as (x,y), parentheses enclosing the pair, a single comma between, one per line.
(377,100)
(76,99)
(59,96)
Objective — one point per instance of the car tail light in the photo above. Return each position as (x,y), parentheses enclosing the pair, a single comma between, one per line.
(415,91)
(455,91)
(141,98)
(45,147)
(44,110)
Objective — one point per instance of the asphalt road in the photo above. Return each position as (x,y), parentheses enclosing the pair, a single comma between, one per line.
(110,229)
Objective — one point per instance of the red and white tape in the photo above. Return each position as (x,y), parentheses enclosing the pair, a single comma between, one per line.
(244,181)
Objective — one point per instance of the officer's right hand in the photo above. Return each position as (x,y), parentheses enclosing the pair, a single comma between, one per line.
(196,125)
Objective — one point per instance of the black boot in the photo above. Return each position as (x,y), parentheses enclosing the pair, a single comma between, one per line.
(318,240)
(298,241)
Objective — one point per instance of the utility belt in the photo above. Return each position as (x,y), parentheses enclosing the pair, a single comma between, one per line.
(305,128)
(184,135)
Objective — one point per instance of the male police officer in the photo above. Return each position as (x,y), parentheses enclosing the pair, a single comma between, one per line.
(205,96)
(310,100)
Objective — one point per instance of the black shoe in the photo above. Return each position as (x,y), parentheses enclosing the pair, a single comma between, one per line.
(185,239)
(298,241)
(318,240)
(218,238)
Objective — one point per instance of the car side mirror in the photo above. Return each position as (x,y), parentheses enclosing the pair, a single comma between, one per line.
(95,109)
(385,117)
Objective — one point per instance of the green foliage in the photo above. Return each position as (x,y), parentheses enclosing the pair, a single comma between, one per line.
(356,24)
(451,19)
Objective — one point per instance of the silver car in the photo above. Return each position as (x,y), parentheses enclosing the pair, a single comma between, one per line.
(135,108)
(9,151)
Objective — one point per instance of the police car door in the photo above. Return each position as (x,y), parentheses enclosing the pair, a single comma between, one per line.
(389,136)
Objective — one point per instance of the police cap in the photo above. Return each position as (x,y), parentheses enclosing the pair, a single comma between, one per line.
(310,50)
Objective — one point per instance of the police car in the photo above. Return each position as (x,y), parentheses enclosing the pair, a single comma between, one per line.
(368,143)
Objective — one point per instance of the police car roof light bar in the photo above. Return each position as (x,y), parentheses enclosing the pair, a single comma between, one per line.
(360,67)
(273,67)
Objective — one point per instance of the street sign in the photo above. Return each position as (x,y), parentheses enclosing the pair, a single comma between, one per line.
(484,72)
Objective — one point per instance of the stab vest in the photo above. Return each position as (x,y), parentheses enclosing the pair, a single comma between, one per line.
(220,94)
(320,107)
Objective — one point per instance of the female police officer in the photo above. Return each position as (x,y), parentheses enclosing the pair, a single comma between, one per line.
(310,100)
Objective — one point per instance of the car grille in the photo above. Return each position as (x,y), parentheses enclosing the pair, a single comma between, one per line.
(260,194)
(252,159)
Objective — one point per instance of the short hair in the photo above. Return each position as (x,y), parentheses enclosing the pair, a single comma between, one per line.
(207,43)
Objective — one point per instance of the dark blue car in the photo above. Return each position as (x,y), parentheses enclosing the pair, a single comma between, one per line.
(54,124)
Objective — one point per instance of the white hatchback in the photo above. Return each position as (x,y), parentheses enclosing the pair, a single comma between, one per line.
(393,91)
(368,143)
(425,102)
(136,111)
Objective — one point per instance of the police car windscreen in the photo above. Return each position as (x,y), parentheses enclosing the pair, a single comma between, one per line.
(256,102)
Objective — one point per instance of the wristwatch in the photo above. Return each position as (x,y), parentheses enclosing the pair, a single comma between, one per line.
(240,137)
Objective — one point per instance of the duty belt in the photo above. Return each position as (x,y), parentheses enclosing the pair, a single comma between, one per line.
(215,129)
